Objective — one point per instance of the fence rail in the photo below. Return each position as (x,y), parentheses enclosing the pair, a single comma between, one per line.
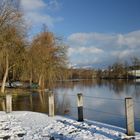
(102,98)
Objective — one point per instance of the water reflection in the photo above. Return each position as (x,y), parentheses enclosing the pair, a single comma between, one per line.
(103,100)
(99,98)
(116,85)
(2,104)
(62,104)
(43,101)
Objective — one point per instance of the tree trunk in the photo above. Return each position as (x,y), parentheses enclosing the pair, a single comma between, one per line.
(13,74)
(3,105)
(43,83)
(40,81)
(5,75)
(31,79)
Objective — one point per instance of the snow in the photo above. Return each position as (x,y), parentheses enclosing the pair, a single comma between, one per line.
(24,125)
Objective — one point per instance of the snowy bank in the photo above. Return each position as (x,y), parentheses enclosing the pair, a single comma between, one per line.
(24,125)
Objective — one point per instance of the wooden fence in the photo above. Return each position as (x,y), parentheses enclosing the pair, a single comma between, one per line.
(129,110)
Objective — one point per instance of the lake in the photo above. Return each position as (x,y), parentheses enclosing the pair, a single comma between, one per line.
(103,100)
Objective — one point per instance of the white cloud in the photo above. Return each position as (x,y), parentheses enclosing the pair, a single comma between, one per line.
(29,5)
(84,56)
(35,12)
(84,50)
(83,38)
(80,38)
(109,47)
(123,54)
(131,40)
(37,18)
(53,5)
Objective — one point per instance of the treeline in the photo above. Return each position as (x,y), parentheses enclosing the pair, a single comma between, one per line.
(81,73)
(42,59)
(120,70)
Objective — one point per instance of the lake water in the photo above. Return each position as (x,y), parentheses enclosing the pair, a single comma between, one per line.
(103,100)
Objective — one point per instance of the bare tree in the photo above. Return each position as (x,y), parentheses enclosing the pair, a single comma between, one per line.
(11,37)
(48,58)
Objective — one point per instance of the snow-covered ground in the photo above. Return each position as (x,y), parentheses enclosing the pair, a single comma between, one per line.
(23,125)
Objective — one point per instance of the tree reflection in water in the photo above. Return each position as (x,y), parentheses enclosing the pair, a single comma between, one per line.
(65,99)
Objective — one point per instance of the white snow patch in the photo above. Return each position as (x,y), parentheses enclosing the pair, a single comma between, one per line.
(23,125)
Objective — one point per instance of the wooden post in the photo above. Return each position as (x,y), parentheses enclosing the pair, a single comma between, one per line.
(80,106)
(129,111)
(51,104)
(31,102)
(8,103)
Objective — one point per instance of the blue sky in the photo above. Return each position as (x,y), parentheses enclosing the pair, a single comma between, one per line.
(98,32)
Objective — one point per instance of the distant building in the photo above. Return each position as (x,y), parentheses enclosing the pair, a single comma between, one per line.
(135,73)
